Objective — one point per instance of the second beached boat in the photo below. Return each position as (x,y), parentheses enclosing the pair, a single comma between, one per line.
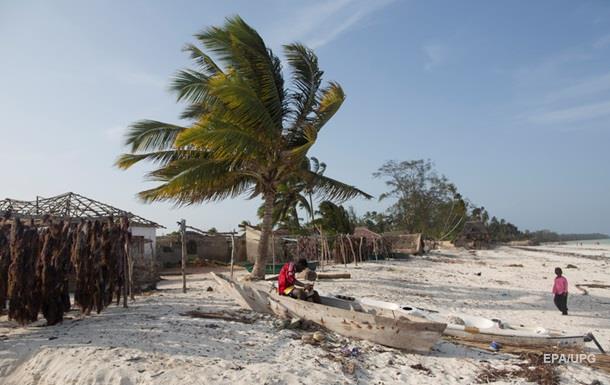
(479,329)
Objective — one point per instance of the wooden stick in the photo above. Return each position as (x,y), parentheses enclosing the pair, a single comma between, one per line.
(333,275)
(125,266)
(232,252)
(183,236)
(342,247)
(130,270)
(351,246)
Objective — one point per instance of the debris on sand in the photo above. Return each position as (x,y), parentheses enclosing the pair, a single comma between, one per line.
(422,368)
(218,315)
(532,369)
(570,266)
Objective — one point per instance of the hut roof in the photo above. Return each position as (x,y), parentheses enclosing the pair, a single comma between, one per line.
(363,232)
(69,205)
(474,227)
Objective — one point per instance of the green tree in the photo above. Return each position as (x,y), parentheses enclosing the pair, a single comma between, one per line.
(334,219)
(247,132)
(426,202)
(376,221)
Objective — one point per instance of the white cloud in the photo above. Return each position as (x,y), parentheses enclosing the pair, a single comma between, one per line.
(333,33)
(550,95)
(549,69)
(584,88)
(319,23)
(572,114)
(436,55)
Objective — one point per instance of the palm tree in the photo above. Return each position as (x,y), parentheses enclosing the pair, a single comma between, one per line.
(295,193)
(247,133)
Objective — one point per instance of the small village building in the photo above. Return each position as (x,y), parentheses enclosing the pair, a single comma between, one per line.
(402,244)
(199,248)
(281,246)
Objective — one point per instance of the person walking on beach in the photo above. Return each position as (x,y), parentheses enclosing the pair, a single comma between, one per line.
(560,291)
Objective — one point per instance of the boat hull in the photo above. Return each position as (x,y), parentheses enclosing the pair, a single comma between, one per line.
(249,296)
(400,333)
(480,329)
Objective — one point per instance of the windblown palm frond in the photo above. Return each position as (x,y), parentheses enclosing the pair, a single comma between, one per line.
(332,190)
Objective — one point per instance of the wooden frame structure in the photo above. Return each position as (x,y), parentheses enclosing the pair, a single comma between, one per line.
(69,205)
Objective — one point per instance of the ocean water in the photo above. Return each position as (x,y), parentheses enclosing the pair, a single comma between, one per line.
(605,242)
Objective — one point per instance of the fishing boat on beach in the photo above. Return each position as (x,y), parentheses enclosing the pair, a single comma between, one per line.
(252,295)
(478,329)
(344,317)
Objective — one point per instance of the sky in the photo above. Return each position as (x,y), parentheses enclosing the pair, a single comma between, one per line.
(511,100)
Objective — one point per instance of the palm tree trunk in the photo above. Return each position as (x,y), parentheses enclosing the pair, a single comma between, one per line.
(258,272)
(311,210)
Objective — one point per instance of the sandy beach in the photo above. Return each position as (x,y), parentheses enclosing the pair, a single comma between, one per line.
(154,342)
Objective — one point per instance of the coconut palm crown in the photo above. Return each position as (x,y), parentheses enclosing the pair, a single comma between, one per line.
(247,132)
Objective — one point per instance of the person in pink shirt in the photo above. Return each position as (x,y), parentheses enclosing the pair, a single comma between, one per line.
(560,291)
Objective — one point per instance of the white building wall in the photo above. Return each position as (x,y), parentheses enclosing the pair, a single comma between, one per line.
(148,233)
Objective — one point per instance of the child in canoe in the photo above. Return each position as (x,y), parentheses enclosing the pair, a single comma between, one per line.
(287,283)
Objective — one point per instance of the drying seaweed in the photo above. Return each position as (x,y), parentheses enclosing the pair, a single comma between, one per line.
(38,261)
(5,261)
(51,276)
(23,275)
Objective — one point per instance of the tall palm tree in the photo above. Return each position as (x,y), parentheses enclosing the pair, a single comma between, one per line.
(247,133)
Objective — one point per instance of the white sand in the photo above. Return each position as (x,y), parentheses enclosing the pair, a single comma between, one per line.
(151,343)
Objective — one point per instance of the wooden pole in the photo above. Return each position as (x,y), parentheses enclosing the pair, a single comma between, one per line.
(183,237)
(130,270)
(351,246)
(375,249)
(232,252)
(342,247)
(360,250)
(125,228)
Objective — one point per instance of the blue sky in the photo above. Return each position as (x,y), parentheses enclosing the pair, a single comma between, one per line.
(510,99)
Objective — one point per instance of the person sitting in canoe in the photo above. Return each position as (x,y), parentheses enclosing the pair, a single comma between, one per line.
(287,283)
(560,291)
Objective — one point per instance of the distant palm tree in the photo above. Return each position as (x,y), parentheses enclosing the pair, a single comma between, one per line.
(248,133)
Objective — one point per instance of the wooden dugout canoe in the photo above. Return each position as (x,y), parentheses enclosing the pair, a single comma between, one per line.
(348,319)
(248,295)
(480,329)
(344,317)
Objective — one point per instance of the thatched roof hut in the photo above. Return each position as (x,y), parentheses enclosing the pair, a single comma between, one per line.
(474,235)
(402,243)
